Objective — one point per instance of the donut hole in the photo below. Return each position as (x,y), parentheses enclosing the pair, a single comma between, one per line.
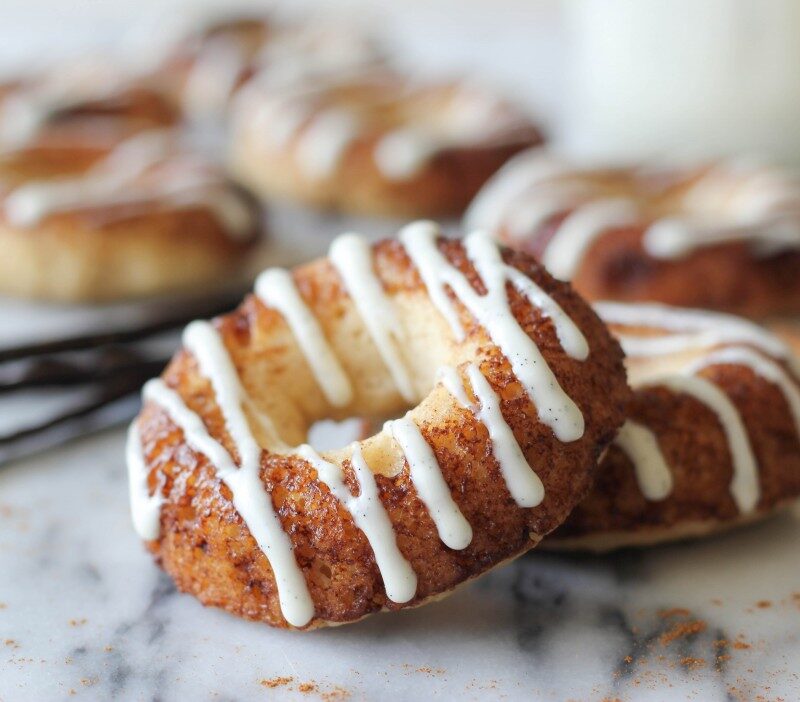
(329,434)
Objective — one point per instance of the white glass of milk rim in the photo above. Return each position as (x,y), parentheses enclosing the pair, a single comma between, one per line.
(684,78)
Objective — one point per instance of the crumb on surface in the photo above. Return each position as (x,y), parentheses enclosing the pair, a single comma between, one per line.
(278,681)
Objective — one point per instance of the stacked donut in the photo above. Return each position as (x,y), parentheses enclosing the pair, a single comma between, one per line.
(511,388)
(713,434)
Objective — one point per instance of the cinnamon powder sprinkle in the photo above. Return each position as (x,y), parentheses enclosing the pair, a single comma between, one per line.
(674,612)
(682,630)
(692,663)
(277,682)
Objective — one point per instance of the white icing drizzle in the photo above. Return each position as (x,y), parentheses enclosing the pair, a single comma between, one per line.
(402,153)
(324,141)
(113,182)
(213,77)
(521,174)
(674,238)
(492,310)
(26,110)
(369,514)
(652,472)
(250,498)
(351,255)
(525,486)
(580,229)
(276,288)
(426,475)
(745,489)
(705,329)
(531,214)
(299,98)
(729,204)
(145,508)
(761,366)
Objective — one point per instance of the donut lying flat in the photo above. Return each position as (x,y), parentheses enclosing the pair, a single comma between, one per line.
(515,388)
(712,438)
(211,62)
(372,141)
(61,121)
(725,236)
(144,218)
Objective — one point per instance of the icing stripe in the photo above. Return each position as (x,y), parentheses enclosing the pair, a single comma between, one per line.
(113,182)
(652,472)
(761,366)
(351,255)
(426,475)
(531,214)
(744,485)
(492,310)
(509,184)
(525,486)
(709,328)
(145,508)
(579,230)
(276,288)
(369,514)
(324,141)
(249,495)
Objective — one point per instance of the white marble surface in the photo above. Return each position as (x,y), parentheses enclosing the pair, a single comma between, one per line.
(85,612)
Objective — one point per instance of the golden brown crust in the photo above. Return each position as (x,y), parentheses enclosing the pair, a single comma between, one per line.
(207,549)
(81,257)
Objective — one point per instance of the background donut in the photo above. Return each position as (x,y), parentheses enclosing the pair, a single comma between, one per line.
(724,236)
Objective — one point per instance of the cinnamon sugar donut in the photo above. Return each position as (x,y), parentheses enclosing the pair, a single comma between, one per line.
(210,63)
(724,236)
(61,120)
(500,444)
(712,438)
(372,141)
(147,217)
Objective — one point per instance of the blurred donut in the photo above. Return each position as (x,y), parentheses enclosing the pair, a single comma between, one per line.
(724,236)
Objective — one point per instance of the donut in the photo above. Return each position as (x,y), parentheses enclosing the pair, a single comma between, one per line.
(712,438)
(723,236)
(211,62)
(372,141)
(146,218)
(61,120)
(514,385)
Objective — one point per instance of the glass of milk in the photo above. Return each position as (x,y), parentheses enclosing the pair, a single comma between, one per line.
(684,78)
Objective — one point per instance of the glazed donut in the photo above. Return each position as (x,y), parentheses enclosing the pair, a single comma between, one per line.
(372,141)
(724,236)
(210,63)
(60,121)
(146,218)
(712,438)
(493,455)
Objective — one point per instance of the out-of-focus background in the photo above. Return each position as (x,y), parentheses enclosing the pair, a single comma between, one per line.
(611,78)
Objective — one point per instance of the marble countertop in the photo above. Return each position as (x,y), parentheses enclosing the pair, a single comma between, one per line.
(84,612)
